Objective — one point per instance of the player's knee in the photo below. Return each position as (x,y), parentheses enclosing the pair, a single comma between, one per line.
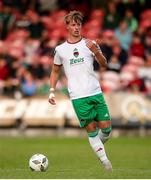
(105,127)
(104,134)
(107,130)
(92,133)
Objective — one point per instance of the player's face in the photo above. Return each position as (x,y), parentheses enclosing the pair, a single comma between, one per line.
(74,28)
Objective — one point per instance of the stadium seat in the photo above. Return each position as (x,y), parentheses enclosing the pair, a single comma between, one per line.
(108,33)
(138,61)
(127,76)
(46,60)
(110,81)
(132,68)
(145,23)
(97,14)
(146,14)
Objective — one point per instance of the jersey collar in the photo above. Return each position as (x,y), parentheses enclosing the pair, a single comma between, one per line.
(75,42)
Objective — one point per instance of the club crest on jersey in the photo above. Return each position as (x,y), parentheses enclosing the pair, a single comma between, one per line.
(75,52)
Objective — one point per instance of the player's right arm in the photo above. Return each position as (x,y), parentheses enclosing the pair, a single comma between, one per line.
(53,81)
(54,76)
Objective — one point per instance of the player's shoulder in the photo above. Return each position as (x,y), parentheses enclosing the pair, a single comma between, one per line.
(87,39)
(84,40)
(61,46)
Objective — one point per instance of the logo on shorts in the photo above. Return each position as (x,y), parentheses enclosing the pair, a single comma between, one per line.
(82,120)
(75,52)
(106,115)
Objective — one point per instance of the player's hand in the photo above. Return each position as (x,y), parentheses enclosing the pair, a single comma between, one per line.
(92,45)
(52,97)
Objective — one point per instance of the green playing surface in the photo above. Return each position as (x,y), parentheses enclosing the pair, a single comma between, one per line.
(73,158)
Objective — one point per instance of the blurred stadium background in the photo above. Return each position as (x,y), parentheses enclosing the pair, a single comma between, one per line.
(29,32)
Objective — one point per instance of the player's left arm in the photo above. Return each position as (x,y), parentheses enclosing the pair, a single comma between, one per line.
(94,47)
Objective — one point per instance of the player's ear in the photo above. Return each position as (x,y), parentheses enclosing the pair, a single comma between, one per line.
(67,26)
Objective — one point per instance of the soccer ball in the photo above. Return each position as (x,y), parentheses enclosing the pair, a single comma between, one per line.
(38,162)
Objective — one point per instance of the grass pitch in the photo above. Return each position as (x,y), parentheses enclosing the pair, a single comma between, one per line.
(73,158)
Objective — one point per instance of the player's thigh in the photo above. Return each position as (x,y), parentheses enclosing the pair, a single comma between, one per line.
(102,109)
(103,116)
(84,111)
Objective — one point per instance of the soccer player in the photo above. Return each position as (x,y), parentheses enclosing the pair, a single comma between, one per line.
(76,55)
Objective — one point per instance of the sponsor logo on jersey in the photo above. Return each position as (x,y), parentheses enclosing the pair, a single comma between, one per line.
(75,52)
(76,61)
